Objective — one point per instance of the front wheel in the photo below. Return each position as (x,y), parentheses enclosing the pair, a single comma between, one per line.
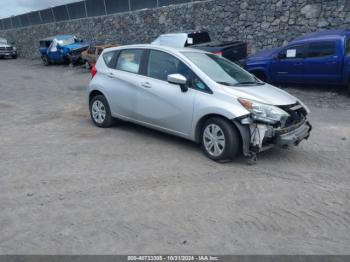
(100,112)
(14,57)
(220,140)
(347,88)
(46,61)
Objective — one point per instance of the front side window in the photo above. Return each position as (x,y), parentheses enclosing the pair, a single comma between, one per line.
(130,60)
(321,49)
(220,69)
(293,52)
(161,64)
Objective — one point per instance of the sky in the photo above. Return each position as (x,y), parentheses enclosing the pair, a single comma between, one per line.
(15,7)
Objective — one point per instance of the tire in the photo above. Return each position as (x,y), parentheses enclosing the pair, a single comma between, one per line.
(347,88)
(46,61)
(14,57)
(229,147)
(100,106)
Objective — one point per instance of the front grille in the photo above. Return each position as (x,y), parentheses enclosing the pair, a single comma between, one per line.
(10,48)
(297,114)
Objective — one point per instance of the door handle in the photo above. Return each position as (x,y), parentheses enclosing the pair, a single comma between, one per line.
(146,85)
(111,75)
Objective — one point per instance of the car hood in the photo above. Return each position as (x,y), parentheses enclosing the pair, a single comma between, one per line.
(267,53)
(76,46)
(266,93)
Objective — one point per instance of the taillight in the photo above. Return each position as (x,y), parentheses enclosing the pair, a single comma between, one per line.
(219,53)
(93,71)
(249,49)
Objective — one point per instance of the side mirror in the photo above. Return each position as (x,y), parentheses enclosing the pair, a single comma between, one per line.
(13,43)
(178,79)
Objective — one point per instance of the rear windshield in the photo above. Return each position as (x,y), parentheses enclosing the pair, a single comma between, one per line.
(197,38)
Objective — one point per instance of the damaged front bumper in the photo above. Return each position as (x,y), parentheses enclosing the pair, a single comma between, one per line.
(258,137)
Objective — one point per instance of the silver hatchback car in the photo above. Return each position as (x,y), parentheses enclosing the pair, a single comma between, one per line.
(195,95)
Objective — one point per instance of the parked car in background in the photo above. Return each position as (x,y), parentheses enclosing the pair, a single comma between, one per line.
(196,95)
(92,53)
(7,50)
(234,51)
(62,49)
(316,58)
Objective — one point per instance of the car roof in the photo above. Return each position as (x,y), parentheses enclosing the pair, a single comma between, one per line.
(323,35)
(186,32)
(50,38)
(158,47)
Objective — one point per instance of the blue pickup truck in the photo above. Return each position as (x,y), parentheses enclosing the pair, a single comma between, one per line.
(316,58)
(61,49)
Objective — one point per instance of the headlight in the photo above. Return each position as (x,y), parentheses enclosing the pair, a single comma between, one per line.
(14,48)
(264,112)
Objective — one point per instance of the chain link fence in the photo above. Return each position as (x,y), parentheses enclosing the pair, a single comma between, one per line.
(82,9)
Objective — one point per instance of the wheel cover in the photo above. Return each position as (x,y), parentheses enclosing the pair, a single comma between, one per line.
(98,111)
(214,140)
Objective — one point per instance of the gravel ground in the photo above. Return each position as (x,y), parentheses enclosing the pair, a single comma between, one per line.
(67,187)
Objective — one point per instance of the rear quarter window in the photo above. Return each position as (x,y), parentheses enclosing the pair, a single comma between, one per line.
(109,58)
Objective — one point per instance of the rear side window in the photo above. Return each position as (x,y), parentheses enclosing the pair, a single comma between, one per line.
(292,52)
(321,49)
(130,60)
(45,44)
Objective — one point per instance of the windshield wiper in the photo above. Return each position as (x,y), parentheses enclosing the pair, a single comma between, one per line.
(249,83)
(226,83)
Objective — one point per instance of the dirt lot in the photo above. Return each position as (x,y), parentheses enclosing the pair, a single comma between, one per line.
(67,187)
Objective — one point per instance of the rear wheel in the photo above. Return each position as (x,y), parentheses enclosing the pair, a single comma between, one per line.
(220,140)
(100,112)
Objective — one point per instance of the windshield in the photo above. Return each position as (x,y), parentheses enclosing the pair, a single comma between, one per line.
(3,41)
(221,70)
(66,41)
